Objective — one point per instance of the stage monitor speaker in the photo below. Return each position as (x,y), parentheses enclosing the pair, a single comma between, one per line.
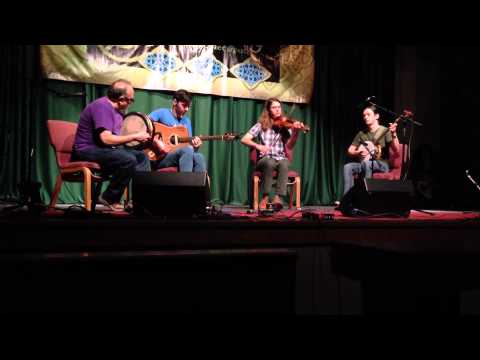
(378,197)
(175,195)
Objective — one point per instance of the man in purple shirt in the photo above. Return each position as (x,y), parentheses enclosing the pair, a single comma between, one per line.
(98,139)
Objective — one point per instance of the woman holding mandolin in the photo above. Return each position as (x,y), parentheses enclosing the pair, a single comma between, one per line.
(369,148)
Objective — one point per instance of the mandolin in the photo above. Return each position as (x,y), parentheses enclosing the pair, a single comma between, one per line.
(373,147)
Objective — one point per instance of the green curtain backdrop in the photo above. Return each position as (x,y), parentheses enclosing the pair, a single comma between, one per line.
(343,76)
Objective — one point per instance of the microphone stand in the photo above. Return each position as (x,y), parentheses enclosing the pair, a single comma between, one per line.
(403,117)
(396,115)
(372,157)
(29,190)
(371,152)
(407,118)
(471,179)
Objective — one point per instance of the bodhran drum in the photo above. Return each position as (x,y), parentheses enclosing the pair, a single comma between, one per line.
(134,122)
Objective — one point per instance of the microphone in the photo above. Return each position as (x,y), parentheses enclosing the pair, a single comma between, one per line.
(370,98)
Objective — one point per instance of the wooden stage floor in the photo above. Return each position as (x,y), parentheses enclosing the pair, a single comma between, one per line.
(313,261)
(70,228)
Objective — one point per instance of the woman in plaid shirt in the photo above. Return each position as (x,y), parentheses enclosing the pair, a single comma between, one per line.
(274,145)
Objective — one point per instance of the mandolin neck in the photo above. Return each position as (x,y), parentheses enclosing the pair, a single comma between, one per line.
(385,131)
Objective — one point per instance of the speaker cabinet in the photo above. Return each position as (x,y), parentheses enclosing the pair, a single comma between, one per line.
(378,197)
(176,195)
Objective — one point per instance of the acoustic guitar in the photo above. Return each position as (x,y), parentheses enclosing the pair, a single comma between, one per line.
(177,136)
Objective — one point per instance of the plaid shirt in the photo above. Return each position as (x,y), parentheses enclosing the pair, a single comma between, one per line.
(270,138)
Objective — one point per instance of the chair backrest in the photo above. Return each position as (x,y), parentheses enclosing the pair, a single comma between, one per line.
(396,161)
(253,155)
(62,137)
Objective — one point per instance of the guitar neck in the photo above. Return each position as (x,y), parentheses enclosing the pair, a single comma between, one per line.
(184,139)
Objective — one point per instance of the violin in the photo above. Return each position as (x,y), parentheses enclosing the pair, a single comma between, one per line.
(285,122)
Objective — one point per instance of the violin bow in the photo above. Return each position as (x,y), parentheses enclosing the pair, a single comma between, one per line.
(287,116)
(291,110)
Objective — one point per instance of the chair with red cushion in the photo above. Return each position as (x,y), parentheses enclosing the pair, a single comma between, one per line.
(168,169)
(62,135)
(395,162)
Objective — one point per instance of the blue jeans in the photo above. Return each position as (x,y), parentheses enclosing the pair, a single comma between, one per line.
(185,158)
(120,164)
(363,168)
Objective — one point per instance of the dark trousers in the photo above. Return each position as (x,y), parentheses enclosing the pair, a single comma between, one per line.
(267,166)
(119,164)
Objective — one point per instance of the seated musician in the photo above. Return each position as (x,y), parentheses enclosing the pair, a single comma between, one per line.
(272,144)
(367,150)
(186,158)
(98,139)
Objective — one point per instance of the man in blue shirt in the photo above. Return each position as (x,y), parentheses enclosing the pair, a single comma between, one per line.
(186,158)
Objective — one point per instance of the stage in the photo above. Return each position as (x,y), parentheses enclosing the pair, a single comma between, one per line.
(309,261)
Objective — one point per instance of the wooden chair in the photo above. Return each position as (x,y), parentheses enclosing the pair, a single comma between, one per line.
(294,182)
(62,135)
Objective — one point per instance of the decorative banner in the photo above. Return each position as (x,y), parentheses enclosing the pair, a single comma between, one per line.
(246,71)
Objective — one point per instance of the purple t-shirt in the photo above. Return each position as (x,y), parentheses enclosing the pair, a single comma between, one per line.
(98,114)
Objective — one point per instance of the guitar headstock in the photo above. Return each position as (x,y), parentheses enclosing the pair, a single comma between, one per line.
(407,114)
(231,136)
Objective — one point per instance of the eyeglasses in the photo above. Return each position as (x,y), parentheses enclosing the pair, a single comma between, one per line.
(129,100)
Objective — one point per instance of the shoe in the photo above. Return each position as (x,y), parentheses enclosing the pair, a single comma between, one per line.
(118,207)
(277,206)
(337,205)
(129,206)
(263,204)
(277,203)
(113,207)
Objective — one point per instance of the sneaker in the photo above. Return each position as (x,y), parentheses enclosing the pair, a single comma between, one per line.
(113,207)
(263,204)
(128,206)
(277,206)
(118,207)
(277,203)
